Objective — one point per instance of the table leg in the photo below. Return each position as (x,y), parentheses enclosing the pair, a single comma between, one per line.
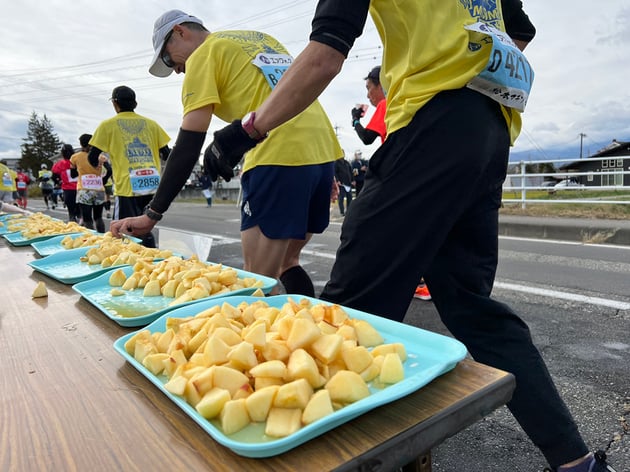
(421,464)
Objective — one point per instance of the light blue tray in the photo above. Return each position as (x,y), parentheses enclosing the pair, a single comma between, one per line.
(429,356)
(17,239)
(6,217)
(132,309)
(53,245)
(67,268)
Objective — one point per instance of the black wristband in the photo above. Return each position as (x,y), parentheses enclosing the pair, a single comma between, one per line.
(356,122)
(155,216)
(180,164)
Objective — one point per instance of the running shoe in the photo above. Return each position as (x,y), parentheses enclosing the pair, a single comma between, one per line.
(597,463)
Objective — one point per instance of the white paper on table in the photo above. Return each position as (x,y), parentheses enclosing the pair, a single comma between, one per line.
(184,243)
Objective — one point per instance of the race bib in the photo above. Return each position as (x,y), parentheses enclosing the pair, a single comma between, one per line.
(507,77)
(21,185)
(144,181)
(91,182)
(7,181)
(272,66)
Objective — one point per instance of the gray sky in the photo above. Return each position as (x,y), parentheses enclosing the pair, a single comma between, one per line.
(62,58)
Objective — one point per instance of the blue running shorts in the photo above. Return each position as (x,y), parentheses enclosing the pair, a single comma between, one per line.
(287,202)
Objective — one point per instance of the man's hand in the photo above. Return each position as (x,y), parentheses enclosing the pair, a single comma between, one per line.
(215,167)
(334,191)
(134,226)
(357,114)
(230,143)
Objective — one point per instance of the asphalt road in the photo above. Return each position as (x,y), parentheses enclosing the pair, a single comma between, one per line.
(576,301)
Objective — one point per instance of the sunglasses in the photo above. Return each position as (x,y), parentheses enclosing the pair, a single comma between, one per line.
(166,57)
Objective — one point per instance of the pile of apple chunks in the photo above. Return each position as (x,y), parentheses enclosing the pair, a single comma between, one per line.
(286,367)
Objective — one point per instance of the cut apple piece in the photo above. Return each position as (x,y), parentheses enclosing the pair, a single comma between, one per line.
(40,290)
(326,347)
(242,356)
(398,348)
(347,386)
(367,334)
(294,394)
(229,379)
(212,403)
(317,407)
(117,279)
(259,403)
(392,370)
(302,366)
(274,368)
(177,385)
(303,332)
(155,362)
(262,382)
(204,381)
(234,416)
(152,289)
(217,350)
(282,422)
(357,358)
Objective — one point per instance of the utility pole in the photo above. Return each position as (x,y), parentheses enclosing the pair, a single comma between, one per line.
(582,136)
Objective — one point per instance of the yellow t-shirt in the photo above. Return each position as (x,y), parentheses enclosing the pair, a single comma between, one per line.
(133,143)
(443,62)
(220,72)
(89,176)
(7,181)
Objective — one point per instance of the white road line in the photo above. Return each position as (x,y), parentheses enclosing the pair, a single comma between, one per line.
(219,240)
(566,243)
(564,295)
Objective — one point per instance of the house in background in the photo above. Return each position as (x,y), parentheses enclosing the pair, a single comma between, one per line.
(604,168)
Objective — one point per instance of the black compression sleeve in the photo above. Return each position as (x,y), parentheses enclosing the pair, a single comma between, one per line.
(338,23)
(180,164)
(366,135)
(108,174)
(93,156)
(517,23)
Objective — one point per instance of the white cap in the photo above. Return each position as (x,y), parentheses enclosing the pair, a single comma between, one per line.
(163,25)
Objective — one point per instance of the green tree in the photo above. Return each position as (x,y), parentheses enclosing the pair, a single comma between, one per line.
(41,144)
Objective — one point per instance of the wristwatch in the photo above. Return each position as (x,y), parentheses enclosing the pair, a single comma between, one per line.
(248,125)
(154,215)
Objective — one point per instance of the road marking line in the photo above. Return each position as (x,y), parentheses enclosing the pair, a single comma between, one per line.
(564,295)
(567,243)
(219,240)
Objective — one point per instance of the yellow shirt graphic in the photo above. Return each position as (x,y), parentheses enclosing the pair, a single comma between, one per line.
(449,58)
(133,143)
(7,181)
(220,72)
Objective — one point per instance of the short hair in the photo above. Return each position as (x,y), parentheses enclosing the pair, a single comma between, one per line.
(67,151)
(84,140)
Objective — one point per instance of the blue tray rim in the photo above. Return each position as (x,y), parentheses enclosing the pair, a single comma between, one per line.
(456,352)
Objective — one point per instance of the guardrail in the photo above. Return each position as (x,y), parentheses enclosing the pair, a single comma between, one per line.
(601,180)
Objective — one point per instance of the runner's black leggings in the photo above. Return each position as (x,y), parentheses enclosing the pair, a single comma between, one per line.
(93,216)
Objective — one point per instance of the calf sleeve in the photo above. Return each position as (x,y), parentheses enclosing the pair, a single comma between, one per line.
(296,280)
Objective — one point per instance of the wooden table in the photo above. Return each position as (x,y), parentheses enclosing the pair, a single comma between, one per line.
(70,402)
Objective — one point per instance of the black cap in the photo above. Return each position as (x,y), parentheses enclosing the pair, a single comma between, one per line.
(374,75)
(123,93)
